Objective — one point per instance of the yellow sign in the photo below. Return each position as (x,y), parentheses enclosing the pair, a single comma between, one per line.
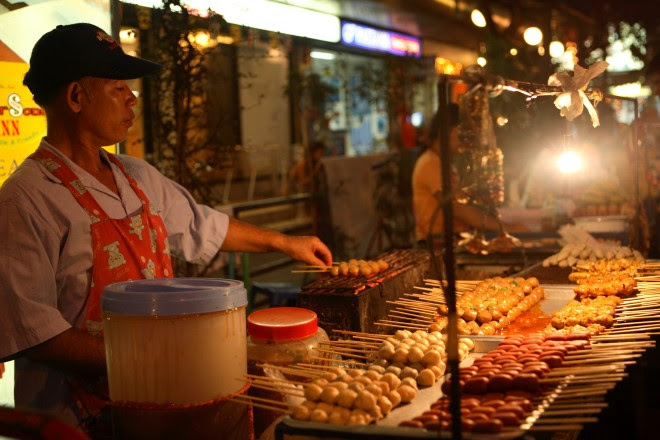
(22,122)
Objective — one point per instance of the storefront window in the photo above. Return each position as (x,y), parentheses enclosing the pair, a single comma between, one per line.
(354,120)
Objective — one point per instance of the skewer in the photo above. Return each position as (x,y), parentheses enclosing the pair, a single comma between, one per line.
(260,405)
(361,334)
(400,325)
(543,421)
(359,356)
(580,405)
(567,427)
(279,390)
(601,359)
(291,370)
(309,270)
(260,399)
(351,361)
(253,377)
(567,412)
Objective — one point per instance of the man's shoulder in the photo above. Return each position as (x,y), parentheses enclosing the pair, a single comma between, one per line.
(27,180)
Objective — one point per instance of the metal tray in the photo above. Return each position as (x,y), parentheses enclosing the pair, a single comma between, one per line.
(557,295)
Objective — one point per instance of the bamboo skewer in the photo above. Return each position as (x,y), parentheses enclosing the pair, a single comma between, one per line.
(566,412)
(253,377)
(566,427)
(544,421)
(259,399)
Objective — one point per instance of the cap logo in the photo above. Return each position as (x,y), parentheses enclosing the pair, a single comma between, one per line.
(102,36)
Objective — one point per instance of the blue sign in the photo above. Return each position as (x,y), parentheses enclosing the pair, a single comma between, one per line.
(365,37)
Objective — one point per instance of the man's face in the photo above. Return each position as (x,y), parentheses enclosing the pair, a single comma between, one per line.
(106,111)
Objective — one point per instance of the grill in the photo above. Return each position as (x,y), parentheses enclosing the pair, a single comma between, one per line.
(356,303)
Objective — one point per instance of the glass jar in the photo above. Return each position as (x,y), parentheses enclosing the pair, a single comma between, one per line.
(280,336)
(283,336)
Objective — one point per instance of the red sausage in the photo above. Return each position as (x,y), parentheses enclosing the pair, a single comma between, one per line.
(427,419)
(488,426)
(505,359)
(476,385)
(507,418)
(520,394)
(492,396)
(552,361)
(412,424)
(507,347)
(441,425)
(500,383)
(476,416)
(537,371)
(526,382)
(512,407)
(487,410)
(439,413)
(495,403)
(467,424)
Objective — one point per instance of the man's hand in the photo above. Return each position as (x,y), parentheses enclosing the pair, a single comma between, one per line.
(243,237)
(307,249)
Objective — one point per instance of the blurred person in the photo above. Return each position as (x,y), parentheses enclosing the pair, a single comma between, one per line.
(75,218)
(304,174)
(427,188)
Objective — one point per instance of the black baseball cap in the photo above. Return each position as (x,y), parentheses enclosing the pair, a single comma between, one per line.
(70,52)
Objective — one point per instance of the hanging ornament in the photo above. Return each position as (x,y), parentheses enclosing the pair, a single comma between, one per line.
(572,100)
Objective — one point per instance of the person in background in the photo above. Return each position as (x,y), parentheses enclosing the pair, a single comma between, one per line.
(74,218)
(427,188)
(305,172)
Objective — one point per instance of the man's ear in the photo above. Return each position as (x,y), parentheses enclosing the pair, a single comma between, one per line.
(74,96)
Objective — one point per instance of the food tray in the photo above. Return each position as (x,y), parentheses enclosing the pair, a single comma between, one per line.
(556,297)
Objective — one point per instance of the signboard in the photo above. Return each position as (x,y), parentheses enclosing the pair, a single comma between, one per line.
(22,122)
(365,37)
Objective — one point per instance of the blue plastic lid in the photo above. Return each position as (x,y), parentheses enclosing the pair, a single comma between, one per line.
(173,296)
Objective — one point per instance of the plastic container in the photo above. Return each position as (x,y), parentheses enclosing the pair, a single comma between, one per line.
(284,336)
(174,341)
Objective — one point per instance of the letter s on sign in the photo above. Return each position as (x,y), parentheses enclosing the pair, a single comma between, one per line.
(14,101)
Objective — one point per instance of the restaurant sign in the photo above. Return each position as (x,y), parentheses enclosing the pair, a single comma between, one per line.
(365,37)
(22,122)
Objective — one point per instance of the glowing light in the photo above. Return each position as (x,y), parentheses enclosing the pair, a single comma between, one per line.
(202,39)
(502,121)
(482,61)
(127,36)
(569,162)
(556,49)
(533,35)
(541,50)
(322,55)
(224,39)
(513,51)
(630,90)
(416,119)
(478,18)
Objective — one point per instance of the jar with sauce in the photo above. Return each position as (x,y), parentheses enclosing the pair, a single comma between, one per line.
(280,336)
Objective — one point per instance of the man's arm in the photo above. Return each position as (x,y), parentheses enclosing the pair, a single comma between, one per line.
(73,351)
(243,237)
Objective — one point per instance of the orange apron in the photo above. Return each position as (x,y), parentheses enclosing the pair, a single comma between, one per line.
(124,249)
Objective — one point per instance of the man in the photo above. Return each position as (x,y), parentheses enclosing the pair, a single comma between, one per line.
(427,188)
(74,218)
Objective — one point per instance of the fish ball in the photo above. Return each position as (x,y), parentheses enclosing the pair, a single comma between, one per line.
(346,378)
(415,354)
(394,370)
(392,380)
(309,404)
(385,405)
(386,351)
(438,370)
(426,378)
(329,376)
(383,386)
(356,420)
(355,372)
(431,357)
(338,385)
(400,355)
(346,398)
(408,372)
(373,375)
(394,397)
(377,368)
(407,393)
(337,417)
(329,395)
(410,382)
(301,412)
(321,382)
(313,392)
(381,363)
(319,416)
(365,400)
(356,386)
(338,371)
(374,389)
(401,335)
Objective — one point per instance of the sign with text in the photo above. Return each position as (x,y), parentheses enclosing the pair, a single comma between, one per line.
(22,122)
(365,37)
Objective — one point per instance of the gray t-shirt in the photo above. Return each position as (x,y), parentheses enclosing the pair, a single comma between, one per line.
(46,251)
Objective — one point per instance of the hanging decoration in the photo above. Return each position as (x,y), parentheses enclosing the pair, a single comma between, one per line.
(573,99)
